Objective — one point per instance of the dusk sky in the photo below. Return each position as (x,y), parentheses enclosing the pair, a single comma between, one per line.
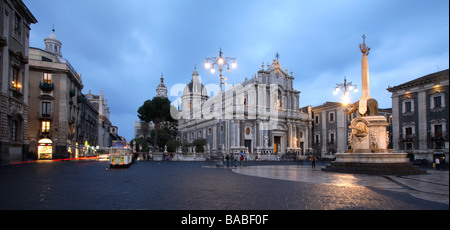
(122,47)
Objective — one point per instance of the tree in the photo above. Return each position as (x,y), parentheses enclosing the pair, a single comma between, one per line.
(172,145)
(157,111)
(162,138)
(199,145)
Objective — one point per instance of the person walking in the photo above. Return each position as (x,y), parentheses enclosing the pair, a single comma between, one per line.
(227,159)
(438,162)
(313,161)
(241,158)
(235,159)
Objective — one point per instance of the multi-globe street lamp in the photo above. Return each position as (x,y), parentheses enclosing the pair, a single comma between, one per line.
(220,62)
(346,87)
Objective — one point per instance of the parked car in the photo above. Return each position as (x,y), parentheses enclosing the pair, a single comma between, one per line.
(420,162)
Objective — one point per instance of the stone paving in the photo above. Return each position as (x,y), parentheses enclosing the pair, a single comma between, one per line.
(433,186)
(92,185)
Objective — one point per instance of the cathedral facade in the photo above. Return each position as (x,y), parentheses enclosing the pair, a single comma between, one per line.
(260,117)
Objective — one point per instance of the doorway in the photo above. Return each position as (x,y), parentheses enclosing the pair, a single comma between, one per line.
(276,144)
(248,145)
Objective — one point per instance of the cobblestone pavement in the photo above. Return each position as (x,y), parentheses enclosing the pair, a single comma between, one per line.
(92,185)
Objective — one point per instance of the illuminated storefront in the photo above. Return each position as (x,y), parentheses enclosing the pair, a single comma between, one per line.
(45,149)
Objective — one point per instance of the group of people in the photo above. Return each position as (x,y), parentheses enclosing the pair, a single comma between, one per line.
(233,159)
(144,156)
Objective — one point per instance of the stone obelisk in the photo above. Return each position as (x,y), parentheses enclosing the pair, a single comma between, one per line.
(365,92)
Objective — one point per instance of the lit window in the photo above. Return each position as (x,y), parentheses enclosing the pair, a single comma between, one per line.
(46,126)
(15,81)
(47,78)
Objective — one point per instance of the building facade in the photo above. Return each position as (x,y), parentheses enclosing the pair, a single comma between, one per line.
(88,128)
(420,111)
(55,124)
(260,116)
(104,124)
(331,133)
(15,21)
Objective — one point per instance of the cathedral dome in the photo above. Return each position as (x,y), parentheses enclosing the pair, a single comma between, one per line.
(195,87)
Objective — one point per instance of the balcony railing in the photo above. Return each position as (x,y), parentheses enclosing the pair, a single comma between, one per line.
(408,137)
(46,87)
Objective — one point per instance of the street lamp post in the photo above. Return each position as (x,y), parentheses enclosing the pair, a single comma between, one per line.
(220,62)
(345,87)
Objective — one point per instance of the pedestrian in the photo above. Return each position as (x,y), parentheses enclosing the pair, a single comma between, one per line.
(438,162)
(227,158)
(135,156)
(241,159)
(235,159)
(313,161)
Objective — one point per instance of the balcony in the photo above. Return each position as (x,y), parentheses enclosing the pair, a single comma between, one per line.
(408,137)
(438,137)
(46,87)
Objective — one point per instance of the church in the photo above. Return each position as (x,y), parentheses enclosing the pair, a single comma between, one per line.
(260,117)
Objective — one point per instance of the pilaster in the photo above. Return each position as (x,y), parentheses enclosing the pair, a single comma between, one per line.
(422,126)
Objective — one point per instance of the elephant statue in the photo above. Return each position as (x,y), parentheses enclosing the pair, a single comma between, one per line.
(372,108)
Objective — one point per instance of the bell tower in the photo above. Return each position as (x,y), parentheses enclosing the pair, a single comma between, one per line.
(161,90)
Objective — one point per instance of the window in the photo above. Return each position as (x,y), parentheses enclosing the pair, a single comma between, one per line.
(280,100)
(209,131)
(437,102)
(317,119)
(14,130)
(317,139)
(438,131)
(331,137)
(46,109)
(408,106)
(18,24)
(47,78)
(331,117)
(45,126)
(15,81)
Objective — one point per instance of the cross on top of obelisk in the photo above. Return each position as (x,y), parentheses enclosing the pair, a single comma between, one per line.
(364,49)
